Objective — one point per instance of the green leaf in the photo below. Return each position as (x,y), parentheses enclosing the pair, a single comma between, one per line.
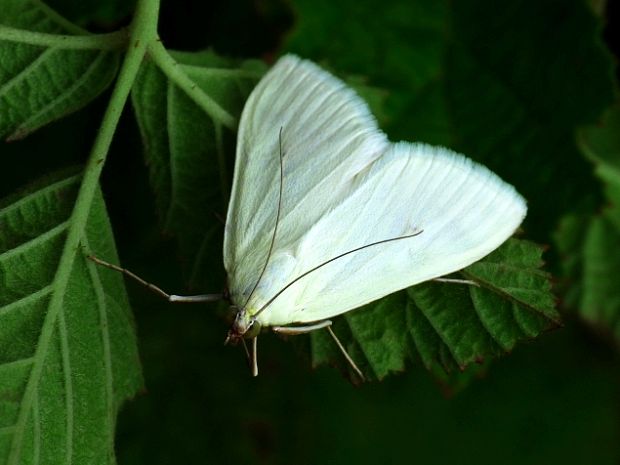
(568,239)
(68,356)
(600,302)
(450,325)
(589,243)
(190,151)
(601,145)
(50,67)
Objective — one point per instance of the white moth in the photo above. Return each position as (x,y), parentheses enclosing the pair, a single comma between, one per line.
(427,211)
(327,215)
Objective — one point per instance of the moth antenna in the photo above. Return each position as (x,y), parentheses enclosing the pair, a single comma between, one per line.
(169,297)
(275,229)
(303,275)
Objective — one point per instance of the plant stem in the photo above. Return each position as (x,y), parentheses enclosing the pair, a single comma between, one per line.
(172,69)
(142,31)
(110,41)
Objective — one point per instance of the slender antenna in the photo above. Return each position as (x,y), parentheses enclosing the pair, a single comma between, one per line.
(275,229)
(331,260)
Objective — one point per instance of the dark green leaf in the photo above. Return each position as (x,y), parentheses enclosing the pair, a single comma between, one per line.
(451,325)
(190,154)
(39,83)
(590,249)
(601,144)
(68,355)
(600,303)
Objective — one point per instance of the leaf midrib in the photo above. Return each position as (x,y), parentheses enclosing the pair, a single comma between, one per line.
(144,31)
(498,290)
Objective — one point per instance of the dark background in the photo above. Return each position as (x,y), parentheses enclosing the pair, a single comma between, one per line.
(553,400)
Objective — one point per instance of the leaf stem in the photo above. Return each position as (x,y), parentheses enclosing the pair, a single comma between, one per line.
(111,41)
(174,71)
(142,31)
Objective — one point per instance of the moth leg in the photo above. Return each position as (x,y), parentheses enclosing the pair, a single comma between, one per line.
(255,356)
(456,281)
(154,288)
(345,353)
(294,330)
(252,358)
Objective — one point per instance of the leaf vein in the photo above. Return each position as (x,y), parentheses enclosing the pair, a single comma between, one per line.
(41,239)
(510,297)
(66,369)
(58,185)
(17,363)
(439,333)
(95,278)
(23,74)
(67,93)
(36,421)
(29,299)
(483,322)
(7,430)
(171,162)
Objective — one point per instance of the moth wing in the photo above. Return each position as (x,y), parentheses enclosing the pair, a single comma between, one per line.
(344,186)
(327,133)
(460,210)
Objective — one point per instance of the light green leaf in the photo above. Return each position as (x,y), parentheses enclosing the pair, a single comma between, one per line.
(450,325)
(50,67)
(591,262)
(190,150)
(68,356)
(601,145)
(568,239)
(600,302)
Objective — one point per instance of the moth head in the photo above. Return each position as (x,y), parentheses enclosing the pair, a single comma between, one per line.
(245,326)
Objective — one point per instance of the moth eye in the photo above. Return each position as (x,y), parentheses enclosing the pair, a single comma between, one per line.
(253,329)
